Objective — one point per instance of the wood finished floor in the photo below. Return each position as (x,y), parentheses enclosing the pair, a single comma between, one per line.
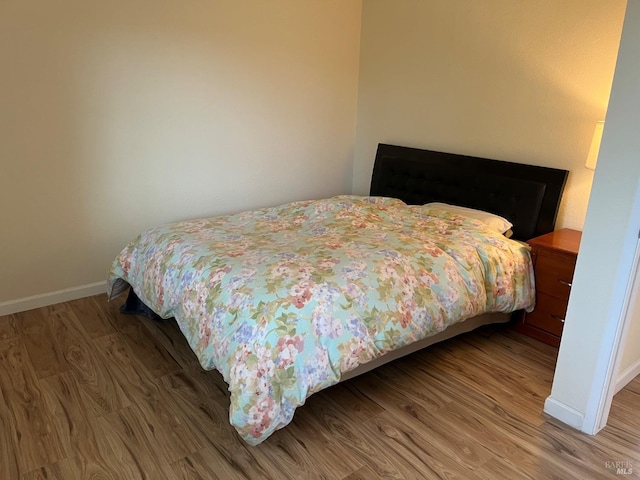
(86,392)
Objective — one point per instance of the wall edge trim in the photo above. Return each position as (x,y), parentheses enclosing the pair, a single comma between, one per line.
(631,372)
(44,300)
(564,413)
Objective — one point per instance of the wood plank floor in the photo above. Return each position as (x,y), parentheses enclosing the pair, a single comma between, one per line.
(86,392)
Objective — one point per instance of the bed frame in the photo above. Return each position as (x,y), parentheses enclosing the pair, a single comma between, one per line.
(526,195)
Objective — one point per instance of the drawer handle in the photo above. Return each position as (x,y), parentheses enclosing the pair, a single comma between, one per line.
(555,317)
(568,284)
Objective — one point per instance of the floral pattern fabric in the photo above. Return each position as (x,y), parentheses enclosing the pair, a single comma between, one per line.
(283,300)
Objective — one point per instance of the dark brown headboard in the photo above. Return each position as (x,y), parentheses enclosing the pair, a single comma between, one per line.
(527,195)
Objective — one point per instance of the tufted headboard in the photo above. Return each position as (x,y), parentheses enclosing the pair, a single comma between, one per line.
(527,195)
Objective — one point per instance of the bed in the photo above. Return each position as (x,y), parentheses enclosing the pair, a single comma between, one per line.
(286,301)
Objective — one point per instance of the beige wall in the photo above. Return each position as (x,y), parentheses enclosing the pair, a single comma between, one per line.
(629,366)
(517,81)
(120,115)
(115,116)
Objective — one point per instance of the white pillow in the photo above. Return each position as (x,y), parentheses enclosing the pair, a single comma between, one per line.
(496,222)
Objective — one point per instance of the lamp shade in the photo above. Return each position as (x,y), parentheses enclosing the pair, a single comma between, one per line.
(592,158)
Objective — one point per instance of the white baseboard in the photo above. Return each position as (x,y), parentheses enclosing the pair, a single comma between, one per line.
(629,374)
(564,413)
(46,299)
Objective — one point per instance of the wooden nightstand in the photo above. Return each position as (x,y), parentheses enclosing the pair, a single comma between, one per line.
(554,260)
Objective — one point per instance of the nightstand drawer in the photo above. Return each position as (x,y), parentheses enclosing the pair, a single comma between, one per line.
(554,257)
(554,275)
(548,314)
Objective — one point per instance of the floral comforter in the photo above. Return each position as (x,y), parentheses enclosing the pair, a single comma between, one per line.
(283,300)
